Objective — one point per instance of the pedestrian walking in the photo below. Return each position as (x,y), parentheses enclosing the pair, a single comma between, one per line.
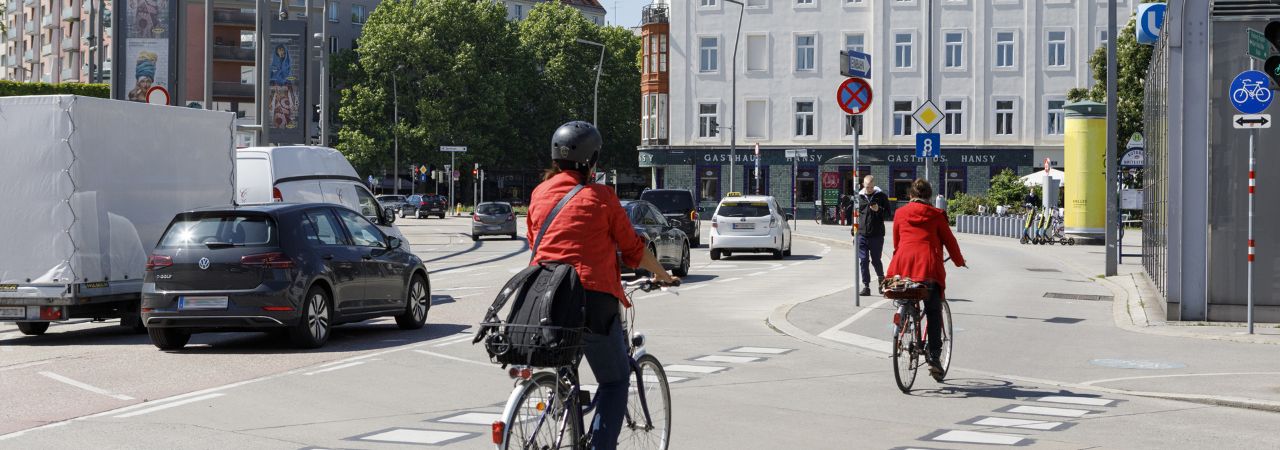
(873,207)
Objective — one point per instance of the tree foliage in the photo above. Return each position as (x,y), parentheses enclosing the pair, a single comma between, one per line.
(464,75)
(1006,189)
(16,88)
(1132,60)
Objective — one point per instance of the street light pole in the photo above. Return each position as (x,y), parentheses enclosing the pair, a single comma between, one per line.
(1112,259)
(733,96)
(595,108)
(395,99)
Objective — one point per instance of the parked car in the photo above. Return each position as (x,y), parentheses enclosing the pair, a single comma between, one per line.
(395,202)
(298,268)
(302,174)
(751,224)
(420,206)
(668,243)
(680,208)
(493,218)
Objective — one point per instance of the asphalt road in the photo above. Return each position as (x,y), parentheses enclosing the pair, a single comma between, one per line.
(738,382)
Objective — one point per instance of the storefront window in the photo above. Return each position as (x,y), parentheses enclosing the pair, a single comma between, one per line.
(902,178)
(806,186)
(956,181)
(709,184)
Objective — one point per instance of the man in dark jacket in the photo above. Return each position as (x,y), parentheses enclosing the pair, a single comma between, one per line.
(873,207)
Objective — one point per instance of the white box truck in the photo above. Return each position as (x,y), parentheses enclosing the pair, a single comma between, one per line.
(87,187)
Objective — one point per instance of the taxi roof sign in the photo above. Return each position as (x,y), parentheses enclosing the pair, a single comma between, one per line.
(733,194)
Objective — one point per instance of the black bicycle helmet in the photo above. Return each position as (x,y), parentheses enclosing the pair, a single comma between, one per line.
(576,141)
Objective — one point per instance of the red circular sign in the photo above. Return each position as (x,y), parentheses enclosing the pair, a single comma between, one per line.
(854,95)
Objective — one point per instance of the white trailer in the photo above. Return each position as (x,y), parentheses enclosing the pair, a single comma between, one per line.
(87,187)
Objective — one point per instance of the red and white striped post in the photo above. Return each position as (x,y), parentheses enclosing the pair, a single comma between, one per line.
(1252,188)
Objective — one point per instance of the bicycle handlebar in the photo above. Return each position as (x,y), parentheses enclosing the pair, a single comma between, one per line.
(649,284)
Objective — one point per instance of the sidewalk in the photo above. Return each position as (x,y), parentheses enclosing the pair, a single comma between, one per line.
(1043,314)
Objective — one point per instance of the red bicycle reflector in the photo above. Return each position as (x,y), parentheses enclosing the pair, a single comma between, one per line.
(498,430)
(897,318)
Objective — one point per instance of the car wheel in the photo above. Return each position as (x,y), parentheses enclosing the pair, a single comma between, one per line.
(419,303)
(475,237)
(514,237)
(683,270)
(441,215)
(313,328)
(715,255)
(33,328)
(777,254)
(169,338)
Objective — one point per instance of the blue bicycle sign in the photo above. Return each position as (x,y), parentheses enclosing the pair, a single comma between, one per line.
(1251,92)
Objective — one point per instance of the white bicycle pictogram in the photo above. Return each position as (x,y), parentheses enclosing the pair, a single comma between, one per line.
(1257,90)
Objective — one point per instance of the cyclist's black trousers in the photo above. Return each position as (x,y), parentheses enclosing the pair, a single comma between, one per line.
(606,352)
(933,317)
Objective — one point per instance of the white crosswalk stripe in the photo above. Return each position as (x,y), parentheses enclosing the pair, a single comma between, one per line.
(1008,422)
(979,437)
(694,369)
(728,359)
(1047,411)
(1070,400)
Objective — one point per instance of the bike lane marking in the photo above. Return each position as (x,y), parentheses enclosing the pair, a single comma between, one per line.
(977,437)
(1009,422)
(1045,411)
(169,405)
(694,369)
(761,350)
(728,359)
(74,383)
(1083,401)
(413,436)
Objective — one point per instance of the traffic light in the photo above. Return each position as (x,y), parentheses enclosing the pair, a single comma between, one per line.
(315,113)
(476,171)
(1272,65)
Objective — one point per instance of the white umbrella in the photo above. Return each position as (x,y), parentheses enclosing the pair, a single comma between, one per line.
(1037,178)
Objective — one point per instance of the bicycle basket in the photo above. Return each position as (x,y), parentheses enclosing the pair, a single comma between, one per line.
(898,288)
(533,345)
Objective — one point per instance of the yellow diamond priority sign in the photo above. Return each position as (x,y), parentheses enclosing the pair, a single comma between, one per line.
(928,116)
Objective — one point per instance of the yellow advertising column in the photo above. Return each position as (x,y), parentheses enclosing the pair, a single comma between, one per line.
(1085,170)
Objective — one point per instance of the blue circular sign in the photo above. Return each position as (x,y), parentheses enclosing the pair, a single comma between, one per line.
(1250,92)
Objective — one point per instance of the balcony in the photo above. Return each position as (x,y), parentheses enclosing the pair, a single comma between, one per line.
(232,53)
(232,17)
(29,2)
(46,78)
(11,7)
(48,22)
(28,56)
(654,14)
(4,61)
(70,14)
(11,34)
(232,89)
(68,74)
(70,45)
(30,27)
(86,6)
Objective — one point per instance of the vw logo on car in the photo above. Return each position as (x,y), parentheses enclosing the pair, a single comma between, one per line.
(204,263)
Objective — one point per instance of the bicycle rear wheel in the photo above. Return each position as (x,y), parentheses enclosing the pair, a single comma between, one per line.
(649,394)
(905,357)
(948,339)
(536,416)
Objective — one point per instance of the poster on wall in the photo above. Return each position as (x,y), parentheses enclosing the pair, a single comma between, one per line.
(146,47)
(286,82)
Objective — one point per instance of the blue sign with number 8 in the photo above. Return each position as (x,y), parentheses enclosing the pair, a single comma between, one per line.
(928,145)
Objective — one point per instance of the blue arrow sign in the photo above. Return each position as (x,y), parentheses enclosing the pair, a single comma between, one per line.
(856,64)
(928,145)
(1150,19)
(1250,92)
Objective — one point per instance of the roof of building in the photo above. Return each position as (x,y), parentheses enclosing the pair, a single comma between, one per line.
(584,4)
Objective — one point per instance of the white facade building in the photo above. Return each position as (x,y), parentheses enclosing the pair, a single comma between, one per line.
(1001,71)
(591,9)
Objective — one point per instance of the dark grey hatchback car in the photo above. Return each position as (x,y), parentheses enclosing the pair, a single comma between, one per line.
(297,268)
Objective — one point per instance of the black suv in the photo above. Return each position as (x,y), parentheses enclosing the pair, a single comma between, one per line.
(680,209)
(300,268)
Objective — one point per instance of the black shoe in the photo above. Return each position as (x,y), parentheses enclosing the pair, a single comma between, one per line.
(935,366)
(866,290)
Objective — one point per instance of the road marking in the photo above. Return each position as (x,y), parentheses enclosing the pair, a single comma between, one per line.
(854,317)
(858,340)
(1045,411)
(414,436)
(796,263)
(978,437)
(169,405)
(1109,380)
(728,359)
(1085,401)
(1008,422)
(337,367)
(453,358)
(454,341)
(464,288)
(95,390)
(700,286)
(758,273)
(471,418)
(726,280)
(694,369)
(761,350)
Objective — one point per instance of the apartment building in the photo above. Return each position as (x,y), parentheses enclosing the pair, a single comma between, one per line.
(1000,73)
(519,9)
(52,40)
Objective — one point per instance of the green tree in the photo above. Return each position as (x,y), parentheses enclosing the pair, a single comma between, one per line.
(1006,189)
(1132,60)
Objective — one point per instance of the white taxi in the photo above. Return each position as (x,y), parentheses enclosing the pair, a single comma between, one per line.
(750,224)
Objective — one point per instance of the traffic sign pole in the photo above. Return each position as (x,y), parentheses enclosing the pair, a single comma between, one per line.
(857,268)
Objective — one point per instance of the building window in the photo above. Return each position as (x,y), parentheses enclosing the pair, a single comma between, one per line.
(955,181)
(333,12)
(757,53)
(707,3)
(1004,49)
(854,42)
(757,119)
(757,3)
(853,2)
(953,117)
(806,186)
(357,14)
(1102,37)
(902,118)
(707,120)
(954,50)
(663,116)
(662,53)
(333,44)
(709,183)
(708,54)
(1004,117)
(805,51)
(1057,49)
(853,122)
(902,50)
(519,12)
(1053,119)
(805,3)
(804,119)
(902,179)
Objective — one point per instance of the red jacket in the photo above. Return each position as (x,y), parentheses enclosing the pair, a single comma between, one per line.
(588,233)
(919,233)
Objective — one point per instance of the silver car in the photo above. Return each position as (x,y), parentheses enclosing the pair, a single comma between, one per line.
(493,219)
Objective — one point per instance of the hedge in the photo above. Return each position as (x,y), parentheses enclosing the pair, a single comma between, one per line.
(14,89)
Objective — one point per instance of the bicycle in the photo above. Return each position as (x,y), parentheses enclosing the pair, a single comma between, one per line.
(909,337)
(547,408)
(1256,90)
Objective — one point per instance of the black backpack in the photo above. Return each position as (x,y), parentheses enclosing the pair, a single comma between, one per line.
(545,323)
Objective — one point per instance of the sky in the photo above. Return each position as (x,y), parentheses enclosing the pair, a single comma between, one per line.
(624,12)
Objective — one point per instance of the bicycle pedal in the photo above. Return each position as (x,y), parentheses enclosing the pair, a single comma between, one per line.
(584,397)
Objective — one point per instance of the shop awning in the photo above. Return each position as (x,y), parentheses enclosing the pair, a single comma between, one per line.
(1037,179)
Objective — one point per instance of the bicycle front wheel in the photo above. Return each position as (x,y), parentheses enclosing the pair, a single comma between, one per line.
(536,416)
(905,357)
(948,339)
(648,421)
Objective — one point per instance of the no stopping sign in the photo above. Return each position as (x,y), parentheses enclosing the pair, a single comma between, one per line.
(854,95)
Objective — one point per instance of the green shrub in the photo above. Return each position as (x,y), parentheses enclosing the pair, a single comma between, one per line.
(965,204)
(1006,189)
(15,89)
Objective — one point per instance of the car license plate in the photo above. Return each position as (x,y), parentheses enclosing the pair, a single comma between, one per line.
(13,312)
(744,226)
(189,303)
(8,288)
(493,227)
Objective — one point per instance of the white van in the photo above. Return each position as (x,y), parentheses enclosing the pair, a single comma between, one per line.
(303,174)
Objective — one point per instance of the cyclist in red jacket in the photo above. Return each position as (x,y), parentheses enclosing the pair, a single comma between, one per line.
(920,231)
(589,232)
